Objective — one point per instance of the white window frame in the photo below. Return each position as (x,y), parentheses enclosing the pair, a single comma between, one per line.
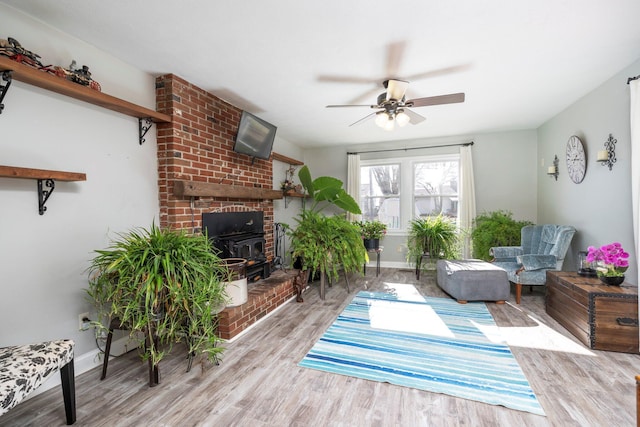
(407,182)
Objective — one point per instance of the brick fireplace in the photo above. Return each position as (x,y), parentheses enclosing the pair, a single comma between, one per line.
(196,150)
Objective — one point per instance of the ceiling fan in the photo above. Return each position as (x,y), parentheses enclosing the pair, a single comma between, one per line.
(394,108)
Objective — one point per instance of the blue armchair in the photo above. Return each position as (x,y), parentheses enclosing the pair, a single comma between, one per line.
(542,248)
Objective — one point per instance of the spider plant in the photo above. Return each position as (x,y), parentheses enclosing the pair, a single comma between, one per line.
(161,283)
(434,235)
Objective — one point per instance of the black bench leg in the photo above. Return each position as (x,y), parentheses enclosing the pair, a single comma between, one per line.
(67,377)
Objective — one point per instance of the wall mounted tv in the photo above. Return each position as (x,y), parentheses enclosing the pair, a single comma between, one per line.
(255,136)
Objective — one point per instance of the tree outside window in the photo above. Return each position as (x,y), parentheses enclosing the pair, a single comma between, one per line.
(435,188)
(380,194)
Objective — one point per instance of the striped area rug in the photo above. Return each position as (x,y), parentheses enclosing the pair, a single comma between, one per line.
(432,344)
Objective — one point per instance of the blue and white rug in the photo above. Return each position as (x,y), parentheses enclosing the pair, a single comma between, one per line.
(427,343)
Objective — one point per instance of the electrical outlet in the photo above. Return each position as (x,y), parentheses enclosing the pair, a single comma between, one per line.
(83,322)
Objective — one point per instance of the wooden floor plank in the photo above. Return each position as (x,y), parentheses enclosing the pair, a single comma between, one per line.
(258,382)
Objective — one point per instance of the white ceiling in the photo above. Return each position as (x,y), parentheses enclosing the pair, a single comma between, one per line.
(519,62)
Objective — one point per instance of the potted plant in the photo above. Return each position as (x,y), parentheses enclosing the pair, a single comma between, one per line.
(324,243)
(372,232)
(493,229)
(166,286)
(435,236)
(611,262)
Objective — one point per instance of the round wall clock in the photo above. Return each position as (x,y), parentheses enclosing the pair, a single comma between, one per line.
(576,160)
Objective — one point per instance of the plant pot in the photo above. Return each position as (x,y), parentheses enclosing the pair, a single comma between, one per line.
(371,244)
(612,281)
(236,287)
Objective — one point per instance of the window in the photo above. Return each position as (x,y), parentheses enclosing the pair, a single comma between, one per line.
(435,188)
(394,191)
(380,194)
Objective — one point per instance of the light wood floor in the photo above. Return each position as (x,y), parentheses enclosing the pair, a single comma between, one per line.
(258,383)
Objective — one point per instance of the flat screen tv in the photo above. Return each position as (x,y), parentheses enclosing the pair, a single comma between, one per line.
(255,136)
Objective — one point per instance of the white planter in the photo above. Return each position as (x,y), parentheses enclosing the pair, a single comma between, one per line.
(237,287)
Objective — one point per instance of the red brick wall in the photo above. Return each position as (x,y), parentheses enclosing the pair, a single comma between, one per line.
(264,297)
(198,146)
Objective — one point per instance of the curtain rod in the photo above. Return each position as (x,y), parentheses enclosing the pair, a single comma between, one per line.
(464,144)
(630,79)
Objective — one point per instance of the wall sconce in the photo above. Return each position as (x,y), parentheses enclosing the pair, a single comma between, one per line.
(607,157)
(553,170)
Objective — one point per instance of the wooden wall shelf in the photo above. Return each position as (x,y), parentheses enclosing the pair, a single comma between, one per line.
(26,173)
(293,193)
(45,80)
(205,189)
(45,178)
(285,159)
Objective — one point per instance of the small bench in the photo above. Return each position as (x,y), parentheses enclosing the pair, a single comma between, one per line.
(24,368)
(473,280)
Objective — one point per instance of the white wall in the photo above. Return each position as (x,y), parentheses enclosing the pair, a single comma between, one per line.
(600,206)
(285,210)
(504,171)
(44,258)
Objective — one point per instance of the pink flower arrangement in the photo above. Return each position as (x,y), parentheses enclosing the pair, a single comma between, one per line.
(610,260)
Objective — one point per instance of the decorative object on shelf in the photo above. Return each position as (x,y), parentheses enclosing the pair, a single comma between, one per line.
(553,170)
(611,261)
(585,268)
(14,50)
(576,159)
(74,74)
(607,157)
(288,184)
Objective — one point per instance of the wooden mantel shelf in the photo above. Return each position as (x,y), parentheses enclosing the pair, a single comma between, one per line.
(26,173)
(285,159)
(205,189)
(45,80)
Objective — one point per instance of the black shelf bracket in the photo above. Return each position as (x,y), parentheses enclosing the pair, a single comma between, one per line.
(6,76)
(143,129)
(43,195)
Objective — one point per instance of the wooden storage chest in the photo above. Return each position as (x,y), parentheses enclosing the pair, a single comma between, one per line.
(602,317)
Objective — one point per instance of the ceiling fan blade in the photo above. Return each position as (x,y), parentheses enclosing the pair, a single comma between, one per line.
(438,72)
(395,52)
(364,119)
(346,79)
(451,98)
(396,89)
(351,105)
(414,118)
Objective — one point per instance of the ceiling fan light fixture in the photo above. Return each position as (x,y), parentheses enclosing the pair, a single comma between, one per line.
(390,124)
(402,118)
(381,119)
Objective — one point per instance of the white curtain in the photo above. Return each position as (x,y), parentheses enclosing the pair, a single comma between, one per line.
(467,197)
(353,181)
(634,87)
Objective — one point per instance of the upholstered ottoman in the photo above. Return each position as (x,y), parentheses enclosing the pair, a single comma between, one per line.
(472,280)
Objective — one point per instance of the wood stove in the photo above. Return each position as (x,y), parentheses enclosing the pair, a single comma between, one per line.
(239,235)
